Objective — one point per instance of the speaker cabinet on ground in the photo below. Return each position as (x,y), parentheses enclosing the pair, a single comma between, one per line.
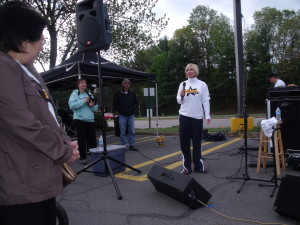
(178,186)
(288,197)
(93,27)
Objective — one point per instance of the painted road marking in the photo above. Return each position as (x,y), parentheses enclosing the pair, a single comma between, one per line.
(171,166)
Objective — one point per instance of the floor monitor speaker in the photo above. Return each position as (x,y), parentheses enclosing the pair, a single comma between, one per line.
(178,186)
(288,197)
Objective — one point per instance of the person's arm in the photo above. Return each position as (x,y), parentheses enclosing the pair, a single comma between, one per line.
(180,94)
(75,103)
(206,103)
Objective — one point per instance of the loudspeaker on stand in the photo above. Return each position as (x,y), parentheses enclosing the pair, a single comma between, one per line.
(93,26)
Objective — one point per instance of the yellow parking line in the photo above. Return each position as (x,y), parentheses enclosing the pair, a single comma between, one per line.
(159,159)
(171,166)
(149,138)
(176,164)
(130,177)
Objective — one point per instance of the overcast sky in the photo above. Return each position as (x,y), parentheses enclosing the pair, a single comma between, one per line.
(179,10)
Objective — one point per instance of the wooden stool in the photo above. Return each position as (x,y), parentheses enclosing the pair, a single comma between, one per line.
(263,153)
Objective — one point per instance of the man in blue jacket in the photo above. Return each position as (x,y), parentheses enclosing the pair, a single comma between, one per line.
(125,102)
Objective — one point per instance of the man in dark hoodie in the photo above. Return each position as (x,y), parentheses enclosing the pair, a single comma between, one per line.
(125,102)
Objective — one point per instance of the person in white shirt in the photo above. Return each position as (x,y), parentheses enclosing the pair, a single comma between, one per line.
(274,79)
(193,97)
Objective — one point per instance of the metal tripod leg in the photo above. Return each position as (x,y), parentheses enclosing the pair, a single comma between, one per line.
(106,159)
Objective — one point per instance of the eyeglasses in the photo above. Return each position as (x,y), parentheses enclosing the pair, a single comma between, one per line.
(127,83)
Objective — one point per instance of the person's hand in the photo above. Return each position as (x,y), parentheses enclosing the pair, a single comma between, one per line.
(86,99)
(75,152)
(91,103)
(208,121)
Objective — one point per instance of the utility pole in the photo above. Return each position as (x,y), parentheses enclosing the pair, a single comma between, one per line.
(239,55)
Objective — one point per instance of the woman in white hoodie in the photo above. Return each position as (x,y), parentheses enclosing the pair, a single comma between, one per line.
(193,97)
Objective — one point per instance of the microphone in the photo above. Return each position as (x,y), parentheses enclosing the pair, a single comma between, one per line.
(183,88)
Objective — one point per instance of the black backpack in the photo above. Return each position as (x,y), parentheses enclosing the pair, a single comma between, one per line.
(216,137)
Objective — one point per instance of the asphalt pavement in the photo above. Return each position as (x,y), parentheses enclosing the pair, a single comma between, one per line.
(93,200)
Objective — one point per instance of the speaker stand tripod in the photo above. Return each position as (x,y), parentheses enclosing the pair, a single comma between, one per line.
(245,176)
(105,156)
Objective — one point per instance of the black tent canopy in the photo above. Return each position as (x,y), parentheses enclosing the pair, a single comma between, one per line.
(85,64)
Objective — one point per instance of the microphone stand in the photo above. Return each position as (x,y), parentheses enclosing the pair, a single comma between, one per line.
(245,176)
(105,156)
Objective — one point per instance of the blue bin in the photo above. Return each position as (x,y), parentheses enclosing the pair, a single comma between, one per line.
(114,151)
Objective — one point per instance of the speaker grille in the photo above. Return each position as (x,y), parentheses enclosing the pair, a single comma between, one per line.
(85,37)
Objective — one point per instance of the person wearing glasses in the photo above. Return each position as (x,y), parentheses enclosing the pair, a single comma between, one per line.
(33,145)
(125,102)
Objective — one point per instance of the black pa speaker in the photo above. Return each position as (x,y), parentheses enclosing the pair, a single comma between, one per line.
(178,186)
(93,27)
(290,116)
(288,197)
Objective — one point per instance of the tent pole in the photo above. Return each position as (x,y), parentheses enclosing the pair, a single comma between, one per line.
(156,102)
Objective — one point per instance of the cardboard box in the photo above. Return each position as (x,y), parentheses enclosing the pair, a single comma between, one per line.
(116,152)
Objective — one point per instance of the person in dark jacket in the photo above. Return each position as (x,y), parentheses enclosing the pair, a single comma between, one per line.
(125,102)
(33,144)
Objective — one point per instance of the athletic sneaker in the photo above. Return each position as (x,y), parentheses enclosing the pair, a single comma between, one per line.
(186,172)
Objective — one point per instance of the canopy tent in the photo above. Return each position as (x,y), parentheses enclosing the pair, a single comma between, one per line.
(85,64)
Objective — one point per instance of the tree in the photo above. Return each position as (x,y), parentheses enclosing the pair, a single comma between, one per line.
(61,26)
(208,41)
(134,27)
(214,51)
(272,44)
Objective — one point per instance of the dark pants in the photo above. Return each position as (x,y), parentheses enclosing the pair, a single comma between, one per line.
(191,129)
(40,213)
(86,136)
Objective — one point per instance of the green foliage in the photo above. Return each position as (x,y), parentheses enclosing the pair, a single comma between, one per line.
(135,26)
(207,41)
(272,44)
(133,23)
